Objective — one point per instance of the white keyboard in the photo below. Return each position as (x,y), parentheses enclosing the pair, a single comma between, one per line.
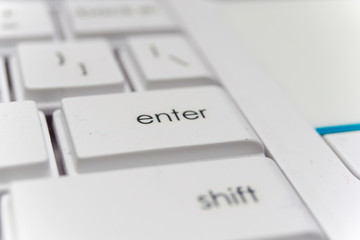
(116,124)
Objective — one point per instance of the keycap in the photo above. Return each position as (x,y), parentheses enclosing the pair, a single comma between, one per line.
(168,61)
(5,218)
(24,20)
(346,146)
(150,128)
(4,89)
(244,198)
(51,71)
(88,18)
(25,145)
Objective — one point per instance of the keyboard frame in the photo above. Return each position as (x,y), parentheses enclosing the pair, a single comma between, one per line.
(327,187)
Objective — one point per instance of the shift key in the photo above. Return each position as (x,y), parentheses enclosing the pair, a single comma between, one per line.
(240,198)
(153,128)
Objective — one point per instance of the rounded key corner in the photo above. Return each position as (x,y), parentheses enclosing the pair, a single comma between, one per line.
(259,145)
(352,169)
(344,145)
(271,162)
(57,112)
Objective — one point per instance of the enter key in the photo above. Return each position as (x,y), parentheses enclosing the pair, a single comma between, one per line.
(152,128)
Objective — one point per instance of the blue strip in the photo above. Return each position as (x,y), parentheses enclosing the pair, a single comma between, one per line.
(338,129)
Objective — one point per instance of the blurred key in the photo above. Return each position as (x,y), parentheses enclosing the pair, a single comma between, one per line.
(25,146)
(117,17)
(4,88)
(52,71)
(7,233)
(151,128)
(23,20)
(167,61)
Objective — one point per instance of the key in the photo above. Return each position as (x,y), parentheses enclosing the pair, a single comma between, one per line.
(151,128)
(117,17)
(241,198)
(346,146)
(4,89)
(5,218)
(24,20)
(51,71)
(25,145)
(168,61)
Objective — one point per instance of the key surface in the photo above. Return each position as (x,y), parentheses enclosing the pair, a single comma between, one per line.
(160,127)
(24,20)
(25,146)
(117,17)
(245,198)
(168,61)
(66,69)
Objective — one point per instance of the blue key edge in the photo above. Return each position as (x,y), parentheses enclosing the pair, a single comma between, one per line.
(338,129)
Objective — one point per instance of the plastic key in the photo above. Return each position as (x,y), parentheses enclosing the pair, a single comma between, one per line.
(151,128)
(242,198)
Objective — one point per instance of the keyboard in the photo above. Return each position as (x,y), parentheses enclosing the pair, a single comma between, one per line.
(141,119)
